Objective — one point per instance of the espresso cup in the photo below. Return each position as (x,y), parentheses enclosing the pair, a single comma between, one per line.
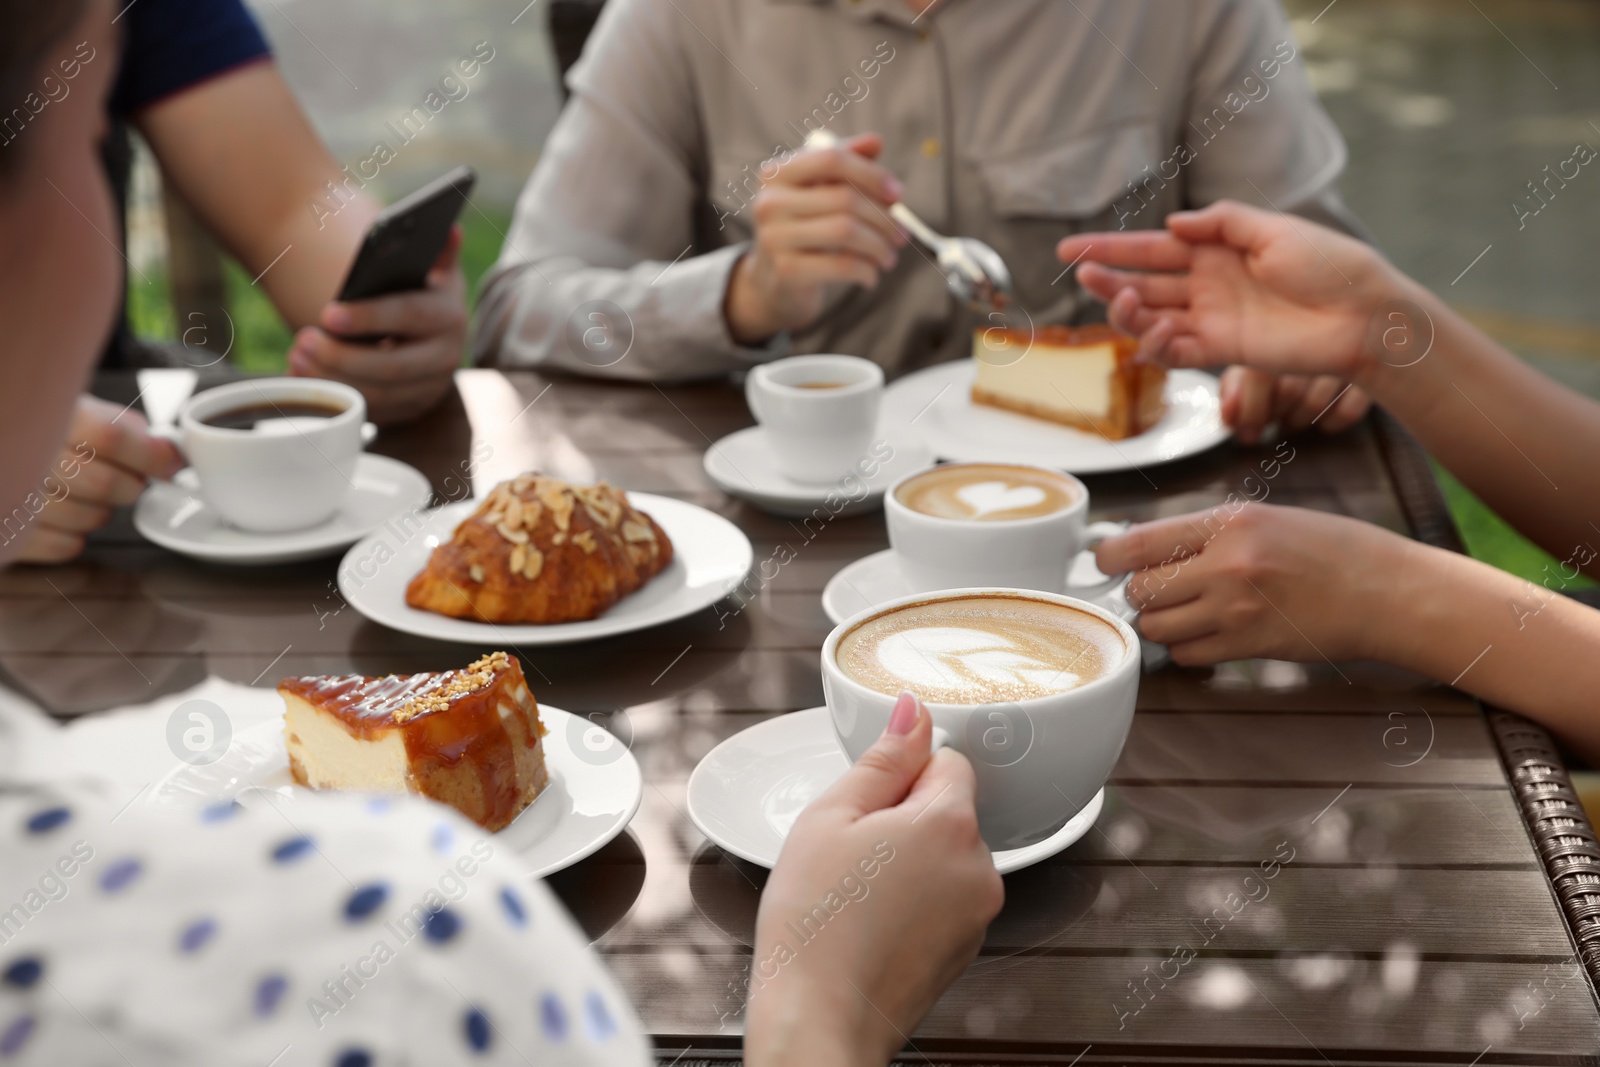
(994,547)
(819,413)
(1038,761)
(284,473)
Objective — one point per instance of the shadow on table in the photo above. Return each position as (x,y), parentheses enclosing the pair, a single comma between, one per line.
(598,891)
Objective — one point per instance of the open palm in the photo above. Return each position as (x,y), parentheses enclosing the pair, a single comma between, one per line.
(1233,284)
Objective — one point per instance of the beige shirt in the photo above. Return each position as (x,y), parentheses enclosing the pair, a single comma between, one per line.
(1014,121)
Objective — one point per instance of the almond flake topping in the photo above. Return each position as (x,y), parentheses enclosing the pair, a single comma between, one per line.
(475,676)
(634,531)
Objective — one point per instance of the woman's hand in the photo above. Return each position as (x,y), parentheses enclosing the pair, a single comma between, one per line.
(1254,400)
(1233,284)
(879,900)
(1265,581)
(820,220)
(108,458)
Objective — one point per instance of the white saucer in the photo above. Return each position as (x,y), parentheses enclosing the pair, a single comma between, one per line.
(595,787)
(743,465)
(173,515)
(747,792)
(710,557)
(938,402)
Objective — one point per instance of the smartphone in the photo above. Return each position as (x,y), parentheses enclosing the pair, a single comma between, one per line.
(406,238)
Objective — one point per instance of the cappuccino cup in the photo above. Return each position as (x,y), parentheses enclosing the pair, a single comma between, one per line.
(993,524)
(274,454)
(1036,689)
(818,412)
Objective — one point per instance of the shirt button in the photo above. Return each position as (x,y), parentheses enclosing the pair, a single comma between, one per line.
(930,148)
(923,35)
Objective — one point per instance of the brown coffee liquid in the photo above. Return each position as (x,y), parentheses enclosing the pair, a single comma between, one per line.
(820,385)
(980,650)
(246,418)
(987,492)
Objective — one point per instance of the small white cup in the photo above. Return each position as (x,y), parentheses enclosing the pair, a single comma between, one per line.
(285,474)
(1032,553)
(817,435)
(1038,762)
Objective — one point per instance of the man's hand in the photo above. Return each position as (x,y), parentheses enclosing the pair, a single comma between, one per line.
(892,857)
(1253,400)
(108,456)
(1233,284)
(410,370)
(819,221)
(1263,581)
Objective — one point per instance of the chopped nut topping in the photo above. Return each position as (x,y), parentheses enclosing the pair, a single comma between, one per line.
(585,541)
(476,572)
(559,539)
(534,565)
(475,676)
(634,532)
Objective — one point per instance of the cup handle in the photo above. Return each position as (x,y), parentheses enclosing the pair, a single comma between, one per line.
(941,739)
(1094,533)
(369,433)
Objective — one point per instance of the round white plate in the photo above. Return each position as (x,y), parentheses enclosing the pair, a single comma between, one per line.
(173,515)
(710,557)
(747,792)
(743,465)
(595,787)
(938,402)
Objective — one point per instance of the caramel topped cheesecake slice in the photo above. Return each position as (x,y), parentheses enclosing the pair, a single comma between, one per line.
(469,738)
(1083,377)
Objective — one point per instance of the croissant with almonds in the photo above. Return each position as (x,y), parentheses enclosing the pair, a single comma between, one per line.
(540,550)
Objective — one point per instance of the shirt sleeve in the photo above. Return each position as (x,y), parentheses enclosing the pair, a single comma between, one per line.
(600,273)
(304,929)
(1257,130)
(172,45)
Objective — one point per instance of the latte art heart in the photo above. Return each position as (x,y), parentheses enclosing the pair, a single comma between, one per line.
(986,497)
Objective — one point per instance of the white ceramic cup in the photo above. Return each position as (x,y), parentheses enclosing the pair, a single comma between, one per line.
(1038,762)
(817,435)
(285,474)
(1031,553)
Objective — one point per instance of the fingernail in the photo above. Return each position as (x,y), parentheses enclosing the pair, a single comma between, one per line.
(893,189)
(904,718)
(336,318)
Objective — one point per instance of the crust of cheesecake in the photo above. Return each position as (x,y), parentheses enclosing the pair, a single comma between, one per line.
(539,550)
(1137,390)
(471,738)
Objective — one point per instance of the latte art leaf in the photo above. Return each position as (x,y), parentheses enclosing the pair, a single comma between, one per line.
(971,661)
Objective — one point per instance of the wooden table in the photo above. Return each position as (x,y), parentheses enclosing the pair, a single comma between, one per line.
(1296,863)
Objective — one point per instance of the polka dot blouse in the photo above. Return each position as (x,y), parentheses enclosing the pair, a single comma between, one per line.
(329,930)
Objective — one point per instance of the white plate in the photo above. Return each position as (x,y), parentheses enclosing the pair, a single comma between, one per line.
(173,515)
(595,787)
(743,465)
(747,792)
(938,402)
(710,557)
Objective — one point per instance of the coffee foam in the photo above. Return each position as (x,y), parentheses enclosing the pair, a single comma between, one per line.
(980,650)
(987,492)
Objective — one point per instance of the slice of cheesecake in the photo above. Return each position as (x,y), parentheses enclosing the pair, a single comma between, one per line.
(469,738)
(1083,377)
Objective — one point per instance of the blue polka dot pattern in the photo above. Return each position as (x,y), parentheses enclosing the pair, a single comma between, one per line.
(476,1027)
(366,900)
(23,973)
(221,811)
(379,805)
(440,926)
(196,934)
(513,905)
(16,1035)
(42,822)
(598,1017)
(268,992)
(117,876)
(354,1057)
(442,837)
(292,849)
(553,1018)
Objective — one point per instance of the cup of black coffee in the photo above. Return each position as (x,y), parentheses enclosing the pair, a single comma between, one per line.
(275,454)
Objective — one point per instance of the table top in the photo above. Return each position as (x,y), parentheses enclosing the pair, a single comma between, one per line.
(1407,916)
